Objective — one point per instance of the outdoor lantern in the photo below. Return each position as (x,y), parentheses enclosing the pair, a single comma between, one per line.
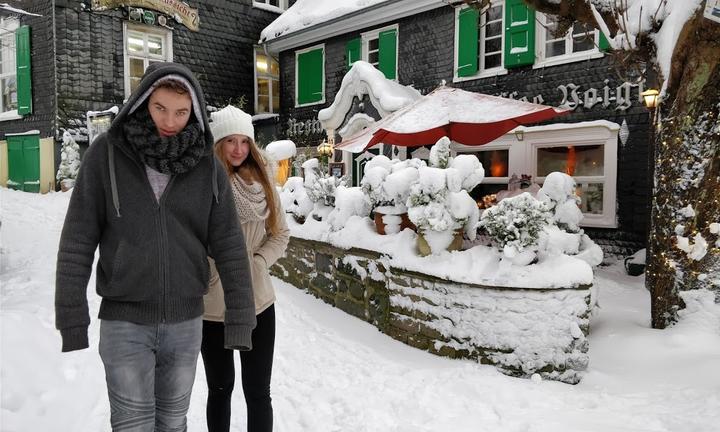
(325,149)
(519,134)
(650,96)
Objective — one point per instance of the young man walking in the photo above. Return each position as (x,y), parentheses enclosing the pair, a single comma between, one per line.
(151,196)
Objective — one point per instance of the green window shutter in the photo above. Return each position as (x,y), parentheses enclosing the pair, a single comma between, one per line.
(353,51)
(519,34)
(310,76)
(603,43)
(387,47)
(24,82)
(467,42)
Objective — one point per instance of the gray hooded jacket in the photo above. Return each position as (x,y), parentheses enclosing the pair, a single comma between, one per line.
(152,266)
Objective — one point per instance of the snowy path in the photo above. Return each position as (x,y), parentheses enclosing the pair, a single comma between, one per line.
(336,373)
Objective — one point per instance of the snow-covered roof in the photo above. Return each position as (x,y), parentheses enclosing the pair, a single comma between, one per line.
(7,7)
(309,21)
(307,13)
(386,95)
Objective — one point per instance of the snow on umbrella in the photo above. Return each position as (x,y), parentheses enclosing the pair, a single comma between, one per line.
(465,117)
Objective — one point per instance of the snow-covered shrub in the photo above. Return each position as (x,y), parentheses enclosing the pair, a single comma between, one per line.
(322,189)
(439,201)
(349,201)
(294,199)
(515,224)
(387,183)
(565,235)
(440,153)
(69,160)
(558,193)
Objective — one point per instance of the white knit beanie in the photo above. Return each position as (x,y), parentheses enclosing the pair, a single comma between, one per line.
(229,121)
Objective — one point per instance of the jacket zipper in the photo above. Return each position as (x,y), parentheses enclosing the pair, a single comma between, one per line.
(164,253)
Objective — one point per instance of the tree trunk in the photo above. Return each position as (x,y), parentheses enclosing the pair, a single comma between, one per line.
(687,172)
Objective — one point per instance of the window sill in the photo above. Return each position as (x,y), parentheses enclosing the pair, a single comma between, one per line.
(320,102)
(267,7)
(568,59)
(485,74)
(10,115)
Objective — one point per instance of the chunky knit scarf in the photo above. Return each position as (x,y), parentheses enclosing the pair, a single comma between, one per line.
(169,155)
(249,200)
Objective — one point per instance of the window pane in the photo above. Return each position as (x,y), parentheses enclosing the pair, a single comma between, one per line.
(493,28)
(492,61)
(373,58)
(137,68)
(155,45)
(556,48)
(373,44)
(135,43)
(572,160)
(495,162)
(275,2)
(494,13)
(263,104)
(261,62)
(8,87)
(276,104)
(263,87)
(591,195)
(583,42)
(492,45)
(276,88)
(274,67)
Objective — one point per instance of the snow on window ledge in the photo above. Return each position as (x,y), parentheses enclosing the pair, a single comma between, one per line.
(571,58)
(10,115)
(267,7)
(484,74)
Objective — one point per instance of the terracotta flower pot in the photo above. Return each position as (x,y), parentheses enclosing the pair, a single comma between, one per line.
(380,225)
(424,247)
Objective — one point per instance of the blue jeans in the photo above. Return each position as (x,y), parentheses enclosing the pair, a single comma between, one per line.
(150,370)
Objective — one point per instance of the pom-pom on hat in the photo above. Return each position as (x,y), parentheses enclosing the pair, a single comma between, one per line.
(229,121)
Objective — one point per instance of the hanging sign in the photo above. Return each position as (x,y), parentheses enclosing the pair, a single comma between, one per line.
(177,9)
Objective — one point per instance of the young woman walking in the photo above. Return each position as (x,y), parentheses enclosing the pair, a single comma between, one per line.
(266,237)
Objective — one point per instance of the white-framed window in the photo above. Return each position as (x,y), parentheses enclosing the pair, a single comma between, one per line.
(267,82)
(490,38)
(379,48)
(489,44)
(585,151)
(143,45)
(271,5)
(579,43)
(310,76)
(8,65)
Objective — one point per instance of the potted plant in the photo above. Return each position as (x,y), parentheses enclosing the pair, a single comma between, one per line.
(515,226)
(386,184)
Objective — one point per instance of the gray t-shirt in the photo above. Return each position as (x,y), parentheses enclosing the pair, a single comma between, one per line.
(158,181)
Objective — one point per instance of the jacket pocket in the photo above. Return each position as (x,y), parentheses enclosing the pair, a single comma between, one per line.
(134,274)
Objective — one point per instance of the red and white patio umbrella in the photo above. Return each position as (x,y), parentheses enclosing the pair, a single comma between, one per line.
(465,117)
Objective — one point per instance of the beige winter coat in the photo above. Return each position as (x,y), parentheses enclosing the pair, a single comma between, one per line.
(263,250)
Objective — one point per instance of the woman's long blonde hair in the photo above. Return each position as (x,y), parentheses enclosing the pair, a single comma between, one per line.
(255,168)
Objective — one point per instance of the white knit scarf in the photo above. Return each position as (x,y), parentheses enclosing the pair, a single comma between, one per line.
(249,200)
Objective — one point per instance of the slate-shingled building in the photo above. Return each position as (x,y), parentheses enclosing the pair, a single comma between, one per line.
(508,50)
(63,58)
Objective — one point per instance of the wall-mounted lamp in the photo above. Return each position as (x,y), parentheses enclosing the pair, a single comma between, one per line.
(325,149)
(650,96)
(519,134)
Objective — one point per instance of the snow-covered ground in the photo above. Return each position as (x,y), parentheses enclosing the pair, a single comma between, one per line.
(334,372)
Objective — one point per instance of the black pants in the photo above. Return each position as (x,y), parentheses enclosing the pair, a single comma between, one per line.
(256,368)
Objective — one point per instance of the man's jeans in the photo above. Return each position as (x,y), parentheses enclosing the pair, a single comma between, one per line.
(150,370)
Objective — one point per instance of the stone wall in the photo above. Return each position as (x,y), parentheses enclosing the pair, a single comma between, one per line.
(519,331)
